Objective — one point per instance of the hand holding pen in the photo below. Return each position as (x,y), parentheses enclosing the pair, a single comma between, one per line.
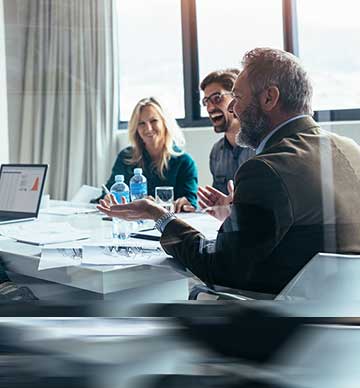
(109,198)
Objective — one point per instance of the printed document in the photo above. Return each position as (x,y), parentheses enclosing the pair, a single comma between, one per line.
(60,257)
(122,255)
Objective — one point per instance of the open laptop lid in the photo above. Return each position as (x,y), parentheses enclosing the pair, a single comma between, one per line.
(21,188)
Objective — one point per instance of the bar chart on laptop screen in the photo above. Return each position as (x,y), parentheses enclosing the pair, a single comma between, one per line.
(20,190)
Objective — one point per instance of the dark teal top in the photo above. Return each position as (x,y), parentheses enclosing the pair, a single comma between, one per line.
(181,173)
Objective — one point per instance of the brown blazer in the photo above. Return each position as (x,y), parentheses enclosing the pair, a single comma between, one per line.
(300,196)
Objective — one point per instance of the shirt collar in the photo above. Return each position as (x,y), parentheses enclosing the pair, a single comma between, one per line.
(227,143)
(261,146)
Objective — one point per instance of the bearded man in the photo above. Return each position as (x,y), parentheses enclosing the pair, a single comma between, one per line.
(298,196)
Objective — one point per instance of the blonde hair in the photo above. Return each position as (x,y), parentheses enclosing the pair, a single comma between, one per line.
(173,136)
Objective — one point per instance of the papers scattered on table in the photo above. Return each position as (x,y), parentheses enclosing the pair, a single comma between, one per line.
(42,233)
(126,252)
(59,257)
(121,255)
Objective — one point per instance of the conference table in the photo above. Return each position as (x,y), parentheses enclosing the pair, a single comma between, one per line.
(127,285)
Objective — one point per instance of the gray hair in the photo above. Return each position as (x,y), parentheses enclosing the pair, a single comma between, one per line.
(267,67)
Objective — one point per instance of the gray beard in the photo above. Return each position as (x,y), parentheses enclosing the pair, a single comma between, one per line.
(254,125)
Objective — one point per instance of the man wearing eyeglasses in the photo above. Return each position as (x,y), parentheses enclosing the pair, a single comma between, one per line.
(226,156)
(298,196)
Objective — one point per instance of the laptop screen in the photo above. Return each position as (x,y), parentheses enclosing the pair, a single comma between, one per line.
(21,187)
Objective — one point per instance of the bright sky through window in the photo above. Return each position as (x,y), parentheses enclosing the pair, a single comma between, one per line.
(150,45)
(229,28)
(329,38)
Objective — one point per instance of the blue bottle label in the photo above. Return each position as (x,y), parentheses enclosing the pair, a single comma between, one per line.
(138,189)
(118,196)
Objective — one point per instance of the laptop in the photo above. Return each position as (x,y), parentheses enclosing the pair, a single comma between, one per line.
(21,188)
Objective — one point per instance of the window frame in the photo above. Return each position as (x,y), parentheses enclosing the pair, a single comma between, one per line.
(190,53)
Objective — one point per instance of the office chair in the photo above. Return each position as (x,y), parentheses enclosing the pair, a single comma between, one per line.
(326,276)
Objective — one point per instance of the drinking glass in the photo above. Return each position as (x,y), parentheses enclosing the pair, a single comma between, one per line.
(164,196)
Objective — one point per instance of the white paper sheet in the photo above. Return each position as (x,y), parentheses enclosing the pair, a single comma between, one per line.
(86,193)
(68,210)
(122,255)
(42,233)
(60,257)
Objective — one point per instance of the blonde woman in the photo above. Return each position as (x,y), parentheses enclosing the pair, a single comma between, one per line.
(156,146)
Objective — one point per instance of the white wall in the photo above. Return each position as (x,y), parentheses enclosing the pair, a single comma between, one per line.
(200,140)
(4,143)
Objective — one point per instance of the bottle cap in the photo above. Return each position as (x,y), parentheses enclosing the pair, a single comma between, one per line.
(137,171)
(119,178)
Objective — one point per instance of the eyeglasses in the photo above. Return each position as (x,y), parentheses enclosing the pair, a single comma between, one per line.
(215,98)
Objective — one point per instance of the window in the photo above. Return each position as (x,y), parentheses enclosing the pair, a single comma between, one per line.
(227,29)
(150,54)
(329,40)
(168,46)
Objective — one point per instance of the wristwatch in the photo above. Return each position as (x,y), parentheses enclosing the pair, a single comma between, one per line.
(161,222)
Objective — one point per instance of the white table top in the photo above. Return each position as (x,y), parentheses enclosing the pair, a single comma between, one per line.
(24,259)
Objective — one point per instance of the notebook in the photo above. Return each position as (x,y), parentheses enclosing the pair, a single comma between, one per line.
(21,188)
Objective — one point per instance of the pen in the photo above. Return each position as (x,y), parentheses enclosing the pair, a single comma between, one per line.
(107,191)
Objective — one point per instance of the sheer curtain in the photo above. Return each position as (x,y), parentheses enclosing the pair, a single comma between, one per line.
(4,145)
(69,111)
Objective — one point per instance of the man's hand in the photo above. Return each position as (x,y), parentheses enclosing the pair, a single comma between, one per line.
(216,203)
(209,196)
(183,205)
(141,209)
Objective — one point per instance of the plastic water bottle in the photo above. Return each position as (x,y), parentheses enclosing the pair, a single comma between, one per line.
(121,229)
(120,189)
(138,185)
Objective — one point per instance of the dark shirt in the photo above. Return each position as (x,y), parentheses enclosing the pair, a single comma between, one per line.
(225,161)
(181,174)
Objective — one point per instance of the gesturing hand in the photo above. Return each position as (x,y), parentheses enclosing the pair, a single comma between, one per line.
(209,196)
(215,202)
(140,209)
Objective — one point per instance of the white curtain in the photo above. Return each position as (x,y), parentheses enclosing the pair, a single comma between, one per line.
(4,144)
(70,102)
